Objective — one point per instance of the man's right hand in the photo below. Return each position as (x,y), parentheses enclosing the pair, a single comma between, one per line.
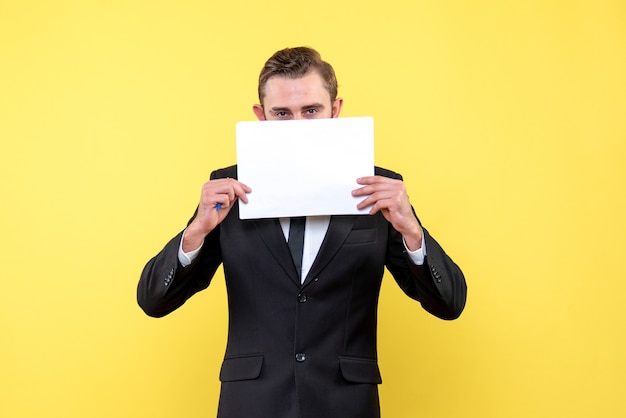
(223,191)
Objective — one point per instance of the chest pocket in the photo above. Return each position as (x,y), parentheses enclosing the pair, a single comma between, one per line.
(361,236)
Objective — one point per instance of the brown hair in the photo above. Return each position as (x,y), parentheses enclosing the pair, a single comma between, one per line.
(295,63)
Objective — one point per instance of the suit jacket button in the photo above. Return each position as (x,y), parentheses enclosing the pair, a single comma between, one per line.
(300,357)
(302,297)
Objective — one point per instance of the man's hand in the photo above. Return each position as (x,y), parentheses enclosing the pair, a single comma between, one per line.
(389,197)
(221,191)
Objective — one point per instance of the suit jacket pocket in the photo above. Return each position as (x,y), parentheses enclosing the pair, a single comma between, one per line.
(241,368)
(360,370)
(361,236)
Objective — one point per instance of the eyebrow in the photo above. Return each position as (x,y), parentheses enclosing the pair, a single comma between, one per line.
(286,109)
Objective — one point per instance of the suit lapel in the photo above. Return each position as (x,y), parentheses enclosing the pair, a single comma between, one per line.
(272,235)
(338,230)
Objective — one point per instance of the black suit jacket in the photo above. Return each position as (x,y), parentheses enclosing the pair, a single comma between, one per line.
(302,350)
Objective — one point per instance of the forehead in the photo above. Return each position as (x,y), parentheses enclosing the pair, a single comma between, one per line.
(283,90)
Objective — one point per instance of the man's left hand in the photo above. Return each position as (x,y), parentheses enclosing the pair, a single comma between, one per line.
(389,196)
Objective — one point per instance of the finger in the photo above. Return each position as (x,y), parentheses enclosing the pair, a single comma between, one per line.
(231,188)
(369,201)
(240,191)
(375,196)
(376,180)
(365,190)
(377,206)
(370,179)
(222,201)
(373,184)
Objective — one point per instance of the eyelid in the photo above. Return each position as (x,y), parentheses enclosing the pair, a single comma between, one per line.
(310,111)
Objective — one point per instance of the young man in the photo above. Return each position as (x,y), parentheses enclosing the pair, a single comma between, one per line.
(302,341)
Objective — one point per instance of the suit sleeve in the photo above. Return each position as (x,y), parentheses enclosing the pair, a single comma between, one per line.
(439,284)
(165,284)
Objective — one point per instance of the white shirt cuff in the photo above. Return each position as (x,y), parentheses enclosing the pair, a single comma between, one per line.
(187,258)
(418,256)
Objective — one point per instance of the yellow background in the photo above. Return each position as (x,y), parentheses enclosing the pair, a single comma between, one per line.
(506,118)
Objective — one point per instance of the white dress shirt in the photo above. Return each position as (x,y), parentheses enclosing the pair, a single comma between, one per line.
(314,233)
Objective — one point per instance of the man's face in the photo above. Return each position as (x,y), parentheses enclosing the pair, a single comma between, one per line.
(299,98)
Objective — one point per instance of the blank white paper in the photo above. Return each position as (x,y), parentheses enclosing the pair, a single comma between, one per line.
(304,167)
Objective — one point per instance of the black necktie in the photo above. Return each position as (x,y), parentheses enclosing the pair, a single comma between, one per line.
(296,241)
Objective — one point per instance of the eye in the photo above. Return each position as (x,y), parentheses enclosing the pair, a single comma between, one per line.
(311,111)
